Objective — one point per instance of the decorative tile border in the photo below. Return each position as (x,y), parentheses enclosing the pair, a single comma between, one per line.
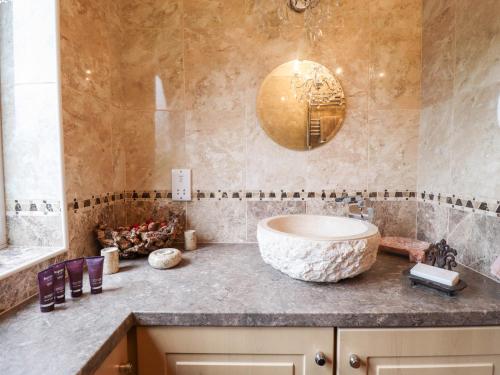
(303,195)
(487,207)
(33,207)
(99,200)
(46,207)
(490,207)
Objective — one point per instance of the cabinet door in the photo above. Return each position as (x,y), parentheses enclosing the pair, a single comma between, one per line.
(429,351)
(233,367)
(119,356)
(233,351)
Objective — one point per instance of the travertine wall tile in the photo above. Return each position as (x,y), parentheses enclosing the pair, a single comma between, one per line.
(258,210)
(152,68)
(477,32)
(432,222)
(475,143)
(219,83)
(86,51)
(151,13)
(392,150)
(218,220)
(476,238)
(87,124)
(330,208)
(342,163)
(269,166)
(438,54)
(120,213)
(215,149)
(82,239)
(434,153)
(395,218)
(120,140)
(209,14)
(153,143)
(395,58)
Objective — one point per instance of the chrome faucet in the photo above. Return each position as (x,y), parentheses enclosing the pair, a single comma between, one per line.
(358,209)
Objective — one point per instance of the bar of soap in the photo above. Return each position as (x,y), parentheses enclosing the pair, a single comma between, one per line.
(164,258)
(438,275)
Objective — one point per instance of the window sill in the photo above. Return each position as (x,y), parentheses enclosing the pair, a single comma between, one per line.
(17,258)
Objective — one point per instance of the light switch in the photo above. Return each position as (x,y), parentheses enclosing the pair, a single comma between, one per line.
(181,184)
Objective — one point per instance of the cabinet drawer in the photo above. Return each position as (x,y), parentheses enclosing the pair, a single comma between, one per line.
(233,351)
(429,351)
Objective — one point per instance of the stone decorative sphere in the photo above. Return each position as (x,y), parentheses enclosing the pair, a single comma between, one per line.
(164,258)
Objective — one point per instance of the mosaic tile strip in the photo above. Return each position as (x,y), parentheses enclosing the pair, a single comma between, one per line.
(490,207)
(97,200)
(33,207)
(303,195)
(250,195)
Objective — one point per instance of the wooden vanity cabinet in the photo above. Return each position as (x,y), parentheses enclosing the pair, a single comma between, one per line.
(292,351)
(118,362)
(419,351)
(234,351)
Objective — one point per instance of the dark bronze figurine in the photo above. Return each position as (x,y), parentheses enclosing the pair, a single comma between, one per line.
(442,255)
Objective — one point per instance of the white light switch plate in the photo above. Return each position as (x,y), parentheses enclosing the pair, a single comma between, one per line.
(181,184)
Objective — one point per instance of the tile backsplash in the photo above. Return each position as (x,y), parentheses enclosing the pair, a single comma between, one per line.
(225,216)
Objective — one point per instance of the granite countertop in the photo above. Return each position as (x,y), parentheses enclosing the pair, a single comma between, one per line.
(227,285)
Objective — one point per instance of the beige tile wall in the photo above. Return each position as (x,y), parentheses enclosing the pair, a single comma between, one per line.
(191,71)
(174,84)
(190,74)
(459,141)
(460,128)
(93,121)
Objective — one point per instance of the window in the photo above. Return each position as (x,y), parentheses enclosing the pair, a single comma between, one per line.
(31,187)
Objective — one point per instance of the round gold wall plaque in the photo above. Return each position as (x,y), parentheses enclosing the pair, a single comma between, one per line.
(301,105)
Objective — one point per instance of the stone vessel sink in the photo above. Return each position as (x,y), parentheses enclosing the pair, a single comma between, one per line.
(318,248)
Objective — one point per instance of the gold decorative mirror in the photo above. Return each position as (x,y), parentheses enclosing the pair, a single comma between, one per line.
(301,105)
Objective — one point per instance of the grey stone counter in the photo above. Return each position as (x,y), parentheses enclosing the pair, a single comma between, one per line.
(227,285)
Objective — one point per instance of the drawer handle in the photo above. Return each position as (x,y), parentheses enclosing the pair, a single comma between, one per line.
(320,358)
(126,369)
(354,361)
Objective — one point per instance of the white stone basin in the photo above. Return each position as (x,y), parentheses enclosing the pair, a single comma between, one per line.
(318,248)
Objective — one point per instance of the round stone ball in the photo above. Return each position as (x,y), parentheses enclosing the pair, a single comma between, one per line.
(164,258)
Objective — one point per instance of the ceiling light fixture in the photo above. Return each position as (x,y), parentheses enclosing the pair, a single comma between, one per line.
(301,5)
(317,15)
